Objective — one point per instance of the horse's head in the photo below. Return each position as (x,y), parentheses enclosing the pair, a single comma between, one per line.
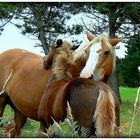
(48,59)
(101,59)
(61,60)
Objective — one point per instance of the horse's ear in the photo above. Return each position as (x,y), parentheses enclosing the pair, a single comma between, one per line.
(89,36)
(115,41)
(103,43)
(59,43)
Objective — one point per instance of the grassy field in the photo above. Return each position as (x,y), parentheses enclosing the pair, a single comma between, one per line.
(128,96)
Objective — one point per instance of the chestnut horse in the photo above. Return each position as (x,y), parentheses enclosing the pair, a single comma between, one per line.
(23,80)
(93,104)
(97,59)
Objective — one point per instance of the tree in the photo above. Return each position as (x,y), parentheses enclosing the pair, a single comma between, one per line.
(7,11)
(118,16)
(115,19)
(42,21)
(128,67)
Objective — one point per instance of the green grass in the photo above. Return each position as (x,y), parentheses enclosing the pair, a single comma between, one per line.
(128,96)
(30,129)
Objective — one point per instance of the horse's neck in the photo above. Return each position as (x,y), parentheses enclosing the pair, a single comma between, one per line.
(105,79)
(60,74)
(77,68)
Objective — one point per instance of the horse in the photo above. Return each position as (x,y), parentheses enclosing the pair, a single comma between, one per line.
(18,68)
(93,104)
(22,73)
(96,60)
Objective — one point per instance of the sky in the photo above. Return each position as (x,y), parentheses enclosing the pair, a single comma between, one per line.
(12,38)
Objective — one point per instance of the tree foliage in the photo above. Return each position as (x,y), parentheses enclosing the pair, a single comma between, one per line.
(128,67)
(44,21)
(114,18)
(41,21)
(7,11)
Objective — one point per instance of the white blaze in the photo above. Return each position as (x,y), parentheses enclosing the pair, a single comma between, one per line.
(89,68)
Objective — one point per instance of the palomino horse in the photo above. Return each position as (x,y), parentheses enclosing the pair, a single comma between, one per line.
(93,104)
(97,59)
(23,80)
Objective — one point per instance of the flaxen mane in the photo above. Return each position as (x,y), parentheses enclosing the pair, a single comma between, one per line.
(47,59)
(63,60)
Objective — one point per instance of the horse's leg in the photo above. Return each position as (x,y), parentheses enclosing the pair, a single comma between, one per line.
(3,102)
(20,120)
(43,127)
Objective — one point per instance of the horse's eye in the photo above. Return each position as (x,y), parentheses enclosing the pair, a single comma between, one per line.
(106,52)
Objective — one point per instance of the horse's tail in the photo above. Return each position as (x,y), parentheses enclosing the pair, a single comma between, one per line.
(104,116)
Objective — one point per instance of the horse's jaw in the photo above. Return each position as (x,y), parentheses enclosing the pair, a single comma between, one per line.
(96,77)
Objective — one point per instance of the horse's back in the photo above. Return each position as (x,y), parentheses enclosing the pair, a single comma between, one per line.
(83,96)
(14,55)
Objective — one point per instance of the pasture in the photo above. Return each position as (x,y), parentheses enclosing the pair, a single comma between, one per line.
(128,96)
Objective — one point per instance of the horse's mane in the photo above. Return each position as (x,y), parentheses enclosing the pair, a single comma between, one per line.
(63,60)
(47,59)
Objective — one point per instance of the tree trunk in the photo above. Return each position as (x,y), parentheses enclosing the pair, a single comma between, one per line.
(40,26)
(113,82)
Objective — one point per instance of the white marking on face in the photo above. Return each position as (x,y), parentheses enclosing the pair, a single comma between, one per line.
(89,68)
